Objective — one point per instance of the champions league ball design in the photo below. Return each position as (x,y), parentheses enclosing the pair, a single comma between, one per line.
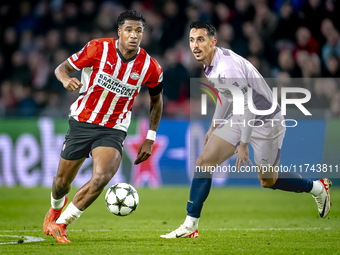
(122,199)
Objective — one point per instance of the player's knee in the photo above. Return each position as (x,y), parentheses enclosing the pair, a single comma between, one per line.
(267,182)
(61,184)
(101,180)
(203,161)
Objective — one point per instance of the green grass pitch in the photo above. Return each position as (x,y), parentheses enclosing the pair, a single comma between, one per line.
(234,221)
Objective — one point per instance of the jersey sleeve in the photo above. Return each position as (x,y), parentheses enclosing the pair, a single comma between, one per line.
(156,76)
(84,57)
(235,78)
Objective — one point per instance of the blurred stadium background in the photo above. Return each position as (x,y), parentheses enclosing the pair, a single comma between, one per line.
(282,39)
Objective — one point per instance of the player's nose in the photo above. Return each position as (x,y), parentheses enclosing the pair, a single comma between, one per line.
(133,34)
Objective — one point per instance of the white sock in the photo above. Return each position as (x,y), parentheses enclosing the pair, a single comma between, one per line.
(69,215)
(317,188)
(191,222)
(57,203)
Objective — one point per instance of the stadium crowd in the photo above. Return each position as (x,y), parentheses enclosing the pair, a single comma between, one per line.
(282,39)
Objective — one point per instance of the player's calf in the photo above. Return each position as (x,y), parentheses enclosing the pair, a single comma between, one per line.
(295,183)
(61,186)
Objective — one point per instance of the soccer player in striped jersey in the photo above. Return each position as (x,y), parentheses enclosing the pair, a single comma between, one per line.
(223,66)
(113,71)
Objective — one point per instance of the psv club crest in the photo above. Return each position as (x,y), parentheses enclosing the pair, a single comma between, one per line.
(134,76)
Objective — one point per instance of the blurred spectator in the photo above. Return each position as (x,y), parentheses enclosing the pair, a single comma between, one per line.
(3,70)
(207,13)
(176,85)
(332,45)
(25,106)
(26,18)
(42,14)
(41,99)
(10,43)
(58,19)
(225,36)
(71,13)
(287,64)
(244,13)
(39,69)
(54,107)
(257,59)
(7,99)
(52,41)
(105,19)
(53,84)
(312,13)
(173,26)
(26,42)
(333,66)
(309,64)
(265,20)
(88,12)
(287,24)
(305,42)
(223,13)
(8,14)
(20,70)
(71,39)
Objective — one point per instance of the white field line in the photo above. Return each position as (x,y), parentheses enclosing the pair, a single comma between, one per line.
(218,229)
(29,239)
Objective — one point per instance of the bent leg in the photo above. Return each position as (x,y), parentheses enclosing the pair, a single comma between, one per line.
(215,152)
(269,174)
(106,161)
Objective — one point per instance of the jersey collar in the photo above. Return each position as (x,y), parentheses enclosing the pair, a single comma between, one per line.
(208,69)
(122,57)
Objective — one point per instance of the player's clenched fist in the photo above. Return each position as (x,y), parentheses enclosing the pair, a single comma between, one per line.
(72,84)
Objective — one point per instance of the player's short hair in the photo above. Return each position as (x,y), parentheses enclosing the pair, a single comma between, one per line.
(130,15)
(211,30)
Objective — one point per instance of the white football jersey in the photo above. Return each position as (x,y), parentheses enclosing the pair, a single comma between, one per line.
(229,68)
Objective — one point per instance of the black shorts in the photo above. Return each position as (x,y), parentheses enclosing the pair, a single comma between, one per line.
(83,137)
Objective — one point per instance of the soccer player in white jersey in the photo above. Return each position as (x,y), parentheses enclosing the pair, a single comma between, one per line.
(113,71)
(221,142)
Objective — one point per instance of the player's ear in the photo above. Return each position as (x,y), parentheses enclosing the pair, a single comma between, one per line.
(119,32)
(213,41)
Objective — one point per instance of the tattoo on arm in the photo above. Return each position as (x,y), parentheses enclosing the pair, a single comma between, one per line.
(156,109)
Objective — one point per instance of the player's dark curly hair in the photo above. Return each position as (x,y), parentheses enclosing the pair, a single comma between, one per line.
(130,15)
(211,30)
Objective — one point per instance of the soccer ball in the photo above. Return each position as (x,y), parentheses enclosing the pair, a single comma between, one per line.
(122,199)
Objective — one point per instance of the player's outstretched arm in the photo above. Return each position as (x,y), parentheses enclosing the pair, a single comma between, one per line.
(156,109)
(62,72)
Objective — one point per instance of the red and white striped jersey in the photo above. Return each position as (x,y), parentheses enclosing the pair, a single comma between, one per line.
(110,82)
